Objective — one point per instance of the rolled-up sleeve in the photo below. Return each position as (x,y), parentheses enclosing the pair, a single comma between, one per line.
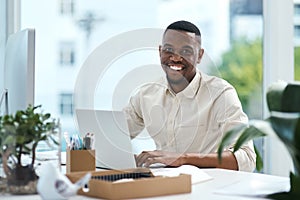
(234,116)
(246,157)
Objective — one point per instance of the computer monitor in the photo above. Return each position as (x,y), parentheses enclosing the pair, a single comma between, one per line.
(19,70)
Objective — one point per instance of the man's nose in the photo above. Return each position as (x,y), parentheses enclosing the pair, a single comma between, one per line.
(176,57)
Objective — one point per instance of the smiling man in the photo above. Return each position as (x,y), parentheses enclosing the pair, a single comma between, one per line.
(188,112)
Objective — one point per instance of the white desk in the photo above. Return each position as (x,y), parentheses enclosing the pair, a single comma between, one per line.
(207,190)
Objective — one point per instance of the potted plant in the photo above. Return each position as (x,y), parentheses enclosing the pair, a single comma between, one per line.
(283,101)
(19,135)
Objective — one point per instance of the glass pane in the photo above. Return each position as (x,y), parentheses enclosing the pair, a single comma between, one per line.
(232,51)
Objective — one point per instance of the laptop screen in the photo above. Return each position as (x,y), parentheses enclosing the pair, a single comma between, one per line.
(112,140)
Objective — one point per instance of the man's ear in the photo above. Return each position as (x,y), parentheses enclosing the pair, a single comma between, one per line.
(159,49)
(200,54)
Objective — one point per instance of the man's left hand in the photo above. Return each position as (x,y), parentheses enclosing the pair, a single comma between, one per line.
(146,158)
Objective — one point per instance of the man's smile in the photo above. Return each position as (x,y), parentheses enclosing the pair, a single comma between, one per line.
(176,67)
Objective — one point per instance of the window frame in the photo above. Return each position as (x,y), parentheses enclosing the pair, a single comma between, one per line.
(278,35)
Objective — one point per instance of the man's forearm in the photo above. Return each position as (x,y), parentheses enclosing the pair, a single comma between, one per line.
(211,160)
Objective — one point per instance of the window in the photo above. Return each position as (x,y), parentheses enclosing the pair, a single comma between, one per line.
(213,18)
(66,7)
(67,54)
(66,104)
(297,9)
(297,31)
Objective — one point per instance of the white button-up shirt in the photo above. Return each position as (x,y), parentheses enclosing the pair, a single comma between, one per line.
(193,120)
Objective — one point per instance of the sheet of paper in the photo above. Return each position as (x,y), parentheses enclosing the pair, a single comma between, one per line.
(196,173)
(255,186)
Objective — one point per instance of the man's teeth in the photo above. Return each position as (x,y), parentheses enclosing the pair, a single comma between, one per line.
(176,68)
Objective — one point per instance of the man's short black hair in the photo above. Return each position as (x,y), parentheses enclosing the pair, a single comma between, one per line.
(184,26)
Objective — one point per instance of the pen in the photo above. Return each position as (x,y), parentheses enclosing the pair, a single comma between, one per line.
(67,139)
(88,141)
(72,143)
(77,142)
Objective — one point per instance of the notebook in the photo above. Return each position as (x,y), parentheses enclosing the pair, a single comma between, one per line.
(112,140)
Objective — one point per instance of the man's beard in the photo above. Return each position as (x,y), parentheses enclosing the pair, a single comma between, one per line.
(176,81)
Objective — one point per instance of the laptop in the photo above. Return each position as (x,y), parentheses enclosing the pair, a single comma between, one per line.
(112,140)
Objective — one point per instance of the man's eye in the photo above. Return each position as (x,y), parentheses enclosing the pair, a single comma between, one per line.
(186,52)
(168,49)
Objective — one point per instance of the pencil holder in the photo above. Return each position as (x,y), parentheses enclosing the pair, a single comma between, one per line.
(80,160)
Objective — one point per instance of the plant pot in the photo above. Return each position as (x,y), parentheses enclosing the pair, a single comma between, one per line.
(21,180)
(29,188)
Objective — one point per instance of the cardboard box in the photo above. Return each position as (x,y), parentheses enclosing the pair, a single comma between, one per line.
(145,186)
(80,160)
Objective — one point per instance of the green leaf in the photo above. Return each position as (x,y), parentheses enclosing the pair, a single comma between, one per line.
(46,116)
(25,127)
(54,140)
(275,95)
(256,129)
(284,97)
(259,160)
(9,140)
(285,125)
(9,129)
(291,98)
(229,137)
(43,138)
(295,184)
(243,134)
